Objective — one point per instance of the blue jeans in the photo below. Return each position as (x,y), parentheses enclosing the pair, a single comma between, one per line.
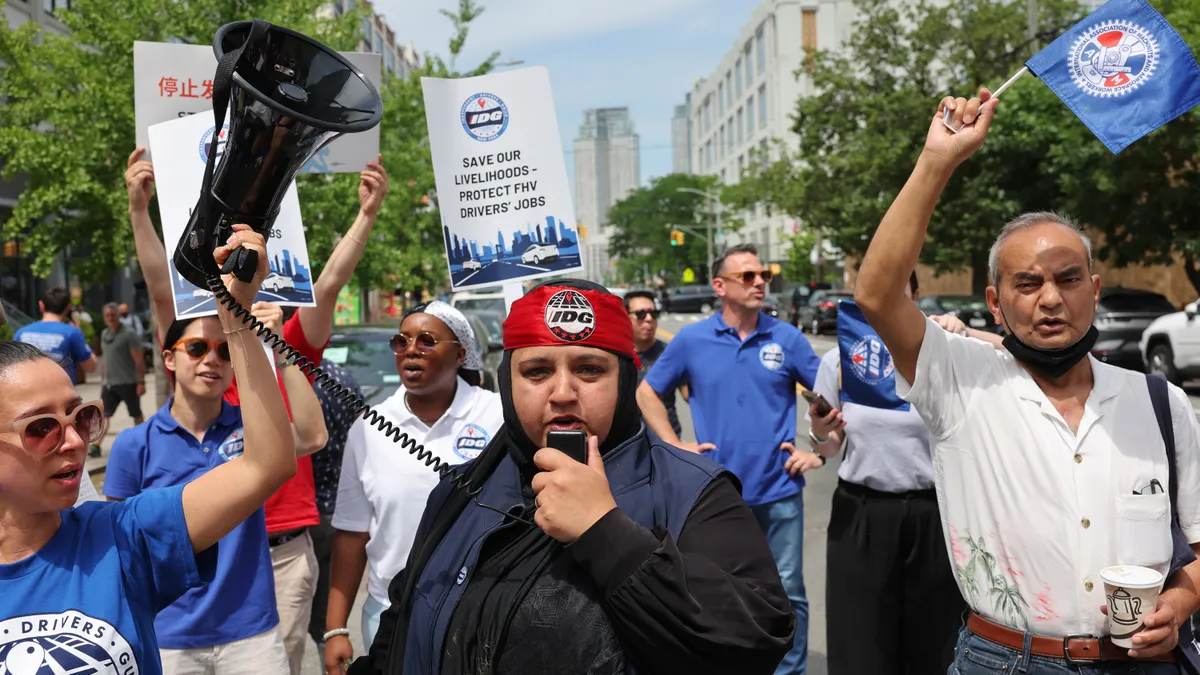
(975,656)
(783,523)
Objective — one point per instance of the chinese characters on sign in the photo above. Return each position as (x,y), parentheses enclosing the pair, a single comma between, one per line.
(170,86)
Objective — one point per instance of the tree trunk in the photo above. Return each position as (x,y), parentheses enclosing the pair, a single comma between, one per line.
(979,272)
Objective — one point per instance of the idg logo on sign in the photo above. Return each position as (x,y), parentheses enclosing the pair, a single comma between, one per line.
(484,117)
(206,142)
(471,441)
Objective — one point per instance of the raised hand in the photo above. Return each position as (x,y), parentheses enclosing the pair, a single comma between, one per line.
(139,181)
(372,187)
(243,237)
(972,118)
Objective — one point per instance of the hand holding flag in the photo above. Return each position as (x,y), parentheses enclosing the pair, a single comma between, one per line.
(972,119)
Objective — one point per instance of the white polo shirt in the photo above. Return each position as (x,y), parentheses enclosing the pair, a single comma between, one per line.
(1031,511)
(383,488)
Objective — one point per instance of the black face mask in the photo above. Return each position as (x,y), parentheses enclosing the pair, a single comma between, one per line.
(1053,363)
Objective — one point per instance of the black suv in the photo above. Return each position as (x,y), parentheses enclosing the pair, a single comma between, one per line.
(1121,318)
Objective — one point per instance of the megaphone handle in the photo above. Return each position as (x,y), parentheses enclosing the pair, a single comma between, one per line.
(241,264)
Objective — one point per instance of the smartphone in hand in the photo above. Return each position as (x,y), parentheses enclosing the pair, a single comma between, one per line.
(571,443)
(813,398)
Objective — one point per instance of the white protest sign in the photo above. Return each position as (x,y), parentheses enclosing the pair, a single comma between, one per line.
(182,147)
(175,80)
(501,180)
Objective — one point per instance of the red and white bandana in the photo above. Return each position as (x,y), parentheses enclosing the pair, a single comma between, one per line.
(553,316)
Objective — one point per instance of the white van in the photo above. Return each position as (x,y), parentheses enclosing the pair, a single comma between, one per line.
(479,300)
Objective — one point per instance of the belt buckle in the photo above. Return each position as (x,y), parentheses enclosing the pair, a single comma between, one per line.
(1082,662)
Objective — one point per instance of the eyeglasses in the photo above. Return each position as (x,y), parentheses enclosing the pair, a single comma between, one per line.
(641,314)
(197,348)
(425,342)
(44,434)
(747,277)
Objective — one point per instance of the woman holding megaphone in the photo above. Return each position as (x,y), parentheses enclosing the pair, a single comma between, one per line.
(83,585)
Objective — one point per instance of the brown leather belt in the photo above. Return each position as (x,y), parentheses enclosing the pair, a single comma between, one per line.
(1071,648)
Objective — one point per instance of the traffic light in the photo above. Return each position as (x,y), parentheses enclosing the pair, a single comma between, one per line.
(676,238)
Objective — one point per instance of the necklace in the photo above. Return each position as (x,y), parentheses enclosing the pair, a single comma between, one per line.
(427,423)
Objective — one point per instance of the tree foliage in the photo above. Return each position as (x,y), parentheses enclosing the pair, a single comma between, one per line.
(860,134)
(642,224)
(67,126)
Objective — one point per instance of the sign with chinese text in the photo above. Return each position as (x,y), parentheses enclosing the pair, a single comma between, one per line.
(175,80)
(182,147)
(501,179)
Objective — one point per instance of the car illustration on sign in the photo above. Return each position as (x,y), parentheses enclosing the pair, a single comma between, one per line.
(472,265)
(277,282)
(538,253)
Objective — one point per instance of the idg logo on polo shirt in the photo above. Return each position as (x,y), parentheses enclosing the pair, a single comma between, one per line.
(471,441)
(771,356)
(233,445)
(70,642)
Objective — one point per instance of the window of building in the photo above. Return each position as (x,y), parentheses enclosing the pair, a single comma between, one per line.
(729,89)
(51,5)
(379,43)
(750,116)
(367,32)
(391,61)
(737,75)
(741,164)
(720,98)
(764,151)
(722,175)
(721,143)
(808,30)
(741,126)
(349,5)
(749,60)
(762,107)
(760,45)
(708,154)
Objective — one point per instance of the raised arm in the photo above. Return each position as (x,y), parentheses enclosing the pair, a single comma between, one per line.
(151,254)
(218,501)
(894,251)
(317,321)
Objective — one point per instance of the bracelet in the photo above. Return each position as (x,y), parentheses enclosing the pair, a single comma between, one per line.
(235,330)
(335,632)
(355,239)
(813,437)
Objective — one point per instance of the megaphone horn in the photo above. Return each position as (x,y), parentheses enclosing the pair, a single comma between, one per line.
(287,97)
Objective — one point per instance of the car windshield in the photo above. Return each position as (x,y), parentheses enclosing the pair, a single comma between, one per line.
(368,357)
(955,303)
(480,304)
(1136,302)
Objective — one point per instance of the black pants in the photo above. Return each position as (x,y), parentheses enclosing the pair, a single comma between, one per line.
(322,536)
(892,605)
(112,395)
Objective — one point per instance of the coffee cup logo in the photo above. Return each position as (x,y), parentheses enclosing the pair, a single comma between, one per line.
(1124,609)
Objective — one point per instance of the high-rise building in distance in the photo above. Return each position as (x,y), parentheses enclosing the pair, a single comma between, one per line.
(607,168)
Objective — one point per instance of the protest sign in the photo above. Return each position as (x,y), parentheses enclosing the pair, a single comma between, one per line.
(501,179)
(182,147)
(175,80)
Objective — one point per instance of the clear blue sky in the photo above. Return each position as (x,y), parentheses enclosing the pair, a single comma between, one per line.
(644,54)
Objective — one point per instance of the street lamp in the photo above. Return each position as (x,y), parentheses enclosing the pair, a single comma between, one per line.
(707,194)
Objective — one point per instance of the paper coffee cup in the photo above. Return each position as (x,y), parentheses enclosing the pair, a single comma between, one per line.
(1131,592)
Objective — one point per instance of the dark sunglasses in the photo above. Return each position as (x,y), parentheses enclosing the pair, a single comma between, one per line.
(44,434)
(425,342)
(641,314)
(747,277)
(197,348)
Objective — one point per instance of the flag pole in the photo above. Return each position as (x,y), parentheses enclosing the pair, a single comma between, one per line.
(948,113)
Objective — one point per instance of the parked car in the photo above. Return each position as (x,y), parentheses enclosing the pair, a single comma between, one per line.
(472,264)
(489,331)
(483,300)
(799,298)
(1170,345)
(1122,316)
(539,253)
(970,309)
(820,314)
(770,306)
(691,299)
(277,282)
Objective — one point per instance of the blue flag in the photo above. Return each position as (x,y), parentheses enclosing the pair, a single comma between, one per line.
(868,376)
(1123,71)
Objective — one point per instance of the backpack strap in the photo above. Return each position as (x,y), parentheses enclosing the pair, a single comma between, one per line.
(1160,398)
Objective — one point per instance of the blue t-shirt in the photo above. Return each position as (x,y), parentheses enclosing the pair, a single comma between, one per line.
(64,343)
(85,603)
(240,601)
(743,396)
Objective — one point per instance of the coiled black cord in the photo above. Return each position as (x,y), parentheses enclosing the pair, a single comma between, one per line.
(344,396)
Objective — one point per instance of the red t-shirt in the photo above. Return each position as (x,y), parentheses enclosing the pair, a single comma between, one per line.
(295,504)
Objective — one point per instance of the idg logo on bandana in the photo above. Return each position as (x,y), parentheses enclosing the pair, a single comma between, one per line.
(233,445)
(1113,58)
(471,441)
(570,316)
(484,117)
(71,642)
(871,361)
(771,356)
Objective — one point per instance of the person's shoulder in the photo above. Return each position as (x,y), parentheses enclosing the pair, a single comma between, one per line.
(781,330)
(831,357)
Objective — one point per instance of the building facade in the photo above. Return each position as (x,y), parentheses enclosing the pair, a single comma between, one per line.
(681,137)
(378,37)
(607,168)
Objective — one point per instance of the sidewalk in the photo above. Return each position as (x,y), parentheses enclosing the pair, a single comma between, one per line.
(119,422)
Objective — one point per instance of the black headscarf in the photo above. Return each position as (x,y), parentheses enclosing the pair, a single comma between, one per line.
(513,558)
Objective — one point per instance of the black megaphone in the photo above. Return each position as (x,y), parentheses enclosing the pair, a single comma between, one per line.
(287,97)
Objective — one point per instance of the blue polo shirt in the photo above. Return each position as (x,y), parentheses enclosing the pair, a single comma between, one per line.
(240,600)
(742,396)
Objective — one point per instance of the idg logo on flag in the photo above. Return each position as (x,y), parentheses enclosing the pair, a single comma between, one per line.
(868,375)
(1123,71)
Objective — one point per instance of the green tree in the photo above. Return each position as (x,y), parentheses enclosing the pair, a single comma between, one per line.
(642,223)
(860,134)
